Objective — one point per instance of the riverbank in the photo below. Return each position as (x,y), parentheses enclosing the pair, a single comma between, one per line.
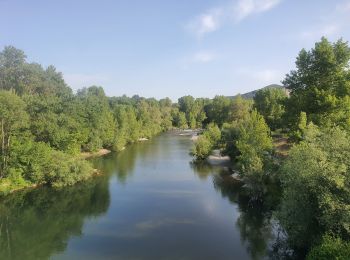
(12,184)
(101,152)
(7,186)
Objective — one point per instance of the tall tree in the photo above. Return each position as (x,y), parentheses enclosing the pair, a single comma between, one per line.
(12,63)
(270,104)
(13,118)
(320,85)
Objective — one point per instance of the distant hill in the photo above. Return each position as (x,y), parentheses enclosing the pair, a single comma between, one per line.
(251,94)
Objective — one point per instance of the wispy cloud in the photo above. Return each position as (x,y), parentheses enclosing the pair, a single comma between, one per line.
(343,7)
(214,19)
(204,56)
(207,22)
(263,76)
(317,33)
(330,25)
(244,8)
(200,57)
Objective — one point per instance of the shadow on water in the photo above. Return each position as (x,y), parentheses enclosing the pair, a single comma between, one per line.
(258,229)
(35,224)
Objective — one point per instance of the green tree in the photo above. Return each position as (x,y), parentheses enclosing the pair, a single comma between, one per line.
(253,142)
(330,249)
(12,61)
(218,111)
(240,108)
(97,117)
(13,119)
(179,119)
(269,102)
(320,85)
(206,142)
(193,109)
(316,187)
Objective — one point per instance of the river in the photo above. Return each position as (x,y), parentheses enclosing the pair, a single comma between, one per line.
(150,203)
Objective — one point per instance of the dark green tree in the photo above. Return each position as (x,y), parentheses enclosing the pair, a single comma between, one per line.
(269,102)
(320,85)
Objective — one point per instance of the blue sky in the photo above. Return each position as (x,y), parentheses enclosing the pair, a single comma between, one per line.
(159,48)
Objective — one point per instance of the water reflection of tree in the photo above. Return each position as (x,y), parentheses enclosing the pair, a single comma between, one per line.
(123,163)
(38,223)
(255,219)
(203,169)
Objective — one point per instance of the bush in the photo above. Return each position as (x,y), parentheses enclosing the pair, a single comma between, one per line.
(330,248)
(37,163)
(206,142)
(316,185)
(68,171)
(202,148)
(248,140)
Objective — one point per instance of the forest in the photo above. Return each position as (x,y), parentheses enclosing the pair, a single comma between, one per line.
(45,126)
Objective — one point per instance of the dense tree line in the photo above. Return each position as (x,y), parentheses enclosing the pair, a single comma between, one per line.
(44,126)
(314,113)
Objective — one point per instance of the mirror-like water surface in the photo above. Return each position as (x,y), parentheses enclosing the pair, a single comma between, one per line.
(151,203)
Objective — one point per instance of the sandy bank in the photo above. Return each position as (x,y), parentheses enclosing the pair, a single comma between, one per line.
(101,152)
(216,159)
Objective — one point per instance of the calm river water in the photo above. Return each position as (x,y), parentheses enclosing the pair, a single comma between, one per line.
(151,203)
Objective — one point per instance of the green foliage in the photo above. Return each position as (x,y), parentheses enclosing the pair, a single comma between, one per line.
(97,117)
(248,140)
(37,163)
(150,117)
(193,109)
(297,132)
(213,133)
(330,249)
(316,187)
(52,123)
(44,126)
(13,119)
(320,85)
(202,148)
(206,142)
(241,108)
(179,119)
(128,128)
(253,142)
(219,110)
(269,102)
(29,78)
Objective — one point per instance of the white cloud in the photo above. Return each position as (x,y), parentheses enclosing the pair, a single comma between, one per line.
(204,56)
(317,33)
(332,25)
(214,19)
(268,76)
(206,23)
(264,76)
(244,8)
(200,57)
(343,7)
(79,80)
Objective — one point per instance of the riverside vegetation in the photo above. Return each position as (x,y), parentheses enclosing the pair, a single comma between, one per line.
(45,127)
(314,115)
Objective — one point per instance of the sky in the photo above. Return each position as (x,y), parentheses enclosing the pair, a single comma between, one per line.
(171,48)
